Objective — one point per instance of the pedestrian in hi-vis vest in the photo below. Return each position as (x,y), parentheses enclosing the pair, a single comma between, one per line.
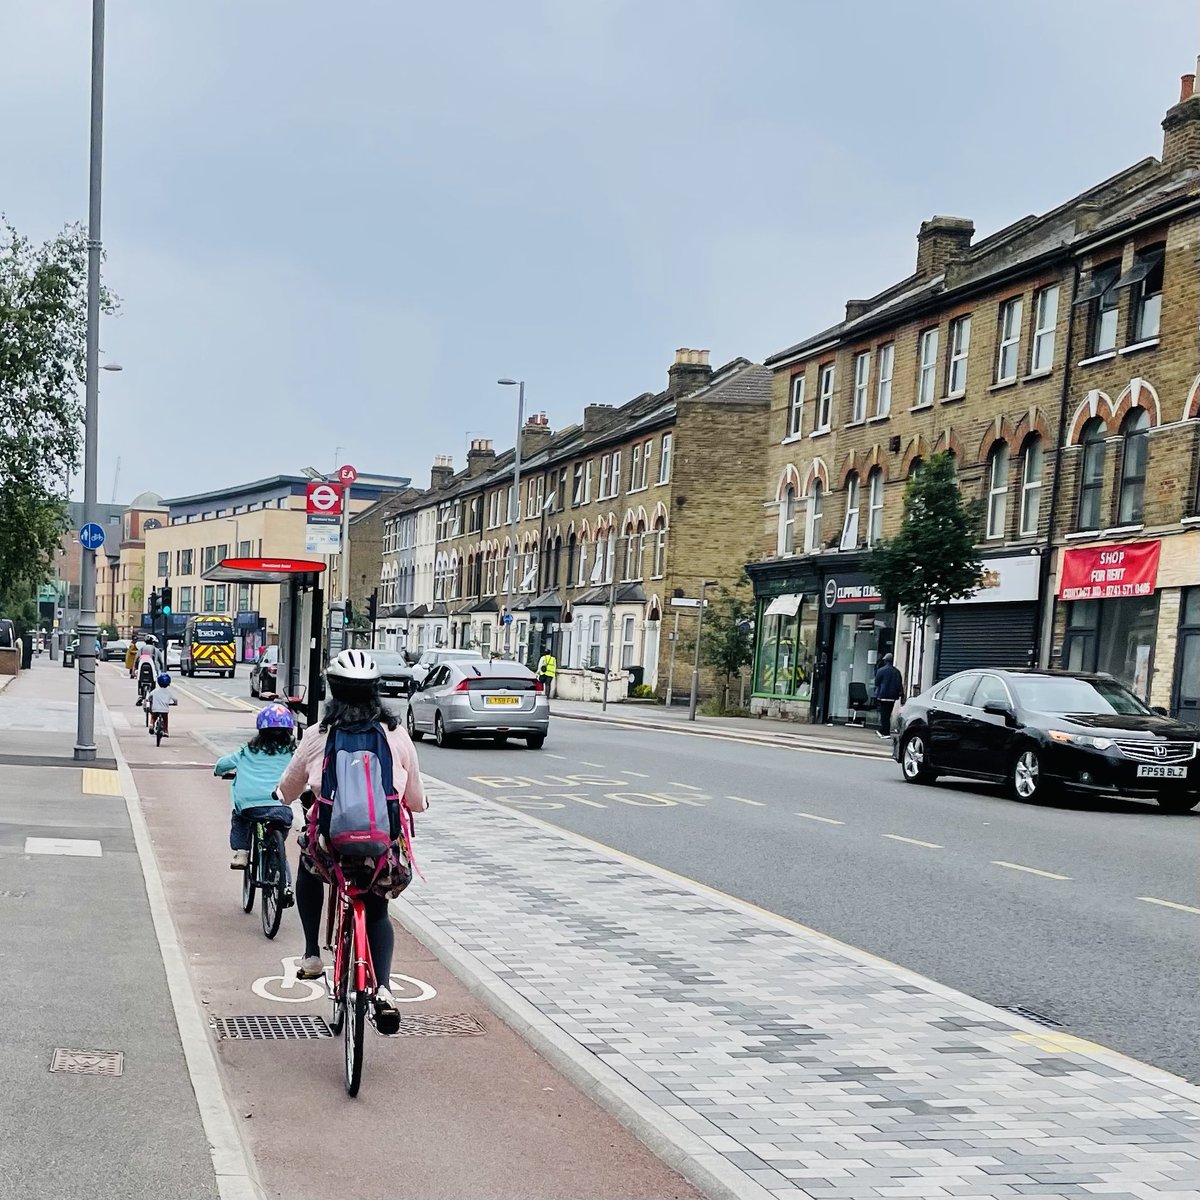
(547,668)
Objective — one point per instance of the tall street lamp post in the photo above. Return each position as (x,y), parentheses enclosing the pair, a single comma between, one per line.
(705,584)
(85,730)
(514,508)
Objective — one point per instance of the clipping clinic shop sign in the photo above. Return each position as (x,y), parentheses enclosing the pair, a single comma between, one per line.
(851,593)
(1109,572)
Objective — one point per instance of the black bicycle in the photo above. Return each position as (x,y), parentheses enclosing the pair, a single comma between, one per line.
(267,871)
(160,727)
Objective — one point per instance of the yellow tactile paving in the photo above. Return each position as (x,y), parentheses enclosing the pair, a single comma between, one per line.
(96,782)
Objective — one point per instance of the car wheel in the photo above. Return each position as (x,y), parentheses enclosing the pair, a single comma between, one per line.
(1025,780)
(1178,802)
(440,735)
(914,760)
(535,741)
(413,731)
(253,690)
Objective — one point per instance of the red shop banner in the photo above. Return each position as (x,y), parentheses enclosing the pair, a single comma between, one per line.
(1109,572)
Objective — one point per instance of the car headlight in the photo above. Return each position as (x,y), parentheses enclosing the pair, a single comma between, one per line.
(1079,739)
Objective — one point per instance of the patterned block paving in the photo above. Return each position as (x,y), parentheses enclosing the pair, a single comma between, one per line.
(816,1071)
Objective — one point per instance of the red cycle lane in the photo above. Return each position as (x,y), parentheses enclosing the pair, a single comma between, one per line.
(443,1115)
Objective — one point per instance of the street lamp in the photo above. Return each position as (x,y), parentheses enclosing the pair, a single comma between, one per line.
(705,584)
(85,726)
(515,507)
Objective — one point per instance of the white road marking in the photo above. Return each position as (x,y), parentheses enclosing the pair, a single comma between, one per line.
(824,820)
(560,757)
(745,800)
(1170,904)
(72,847)
(193,696)
(688,786)
(1029,870)
(598,766)
(636,774)
(895,837)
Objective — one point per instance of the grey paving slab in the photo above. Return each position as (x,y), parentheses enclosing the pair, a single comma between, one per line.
(794,1048)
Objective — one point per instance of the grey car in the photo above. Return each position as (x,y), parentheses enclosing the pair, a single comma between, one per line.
(475,698)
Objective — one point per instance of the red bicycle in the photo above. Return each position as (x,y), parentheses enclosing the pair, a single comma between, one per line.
(354,981)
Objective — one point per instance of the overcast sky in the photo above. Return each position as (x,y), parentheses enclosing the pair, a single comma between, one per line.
(335,225)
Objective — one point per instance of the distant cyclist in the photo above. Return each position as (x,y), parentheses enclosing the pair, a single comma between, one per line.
(353,705)
(159,702)
(149,664)
(259,765)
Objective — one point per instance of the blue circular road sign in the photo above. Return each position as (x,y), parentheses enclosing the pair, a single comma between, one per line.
(91,536)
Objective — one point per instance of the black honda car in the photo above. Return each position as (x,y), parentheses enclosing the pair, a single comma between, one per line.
(1040,731)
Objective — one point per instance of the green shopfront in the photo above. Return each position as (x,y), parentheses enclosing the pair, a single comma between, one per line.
(821,631)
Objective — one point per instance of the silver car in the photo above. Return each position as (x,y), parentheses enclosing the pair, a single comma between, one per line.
(475,698)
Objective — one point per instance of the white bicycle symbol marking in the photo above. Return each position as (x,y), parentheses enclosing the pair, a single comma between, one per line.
(285,988)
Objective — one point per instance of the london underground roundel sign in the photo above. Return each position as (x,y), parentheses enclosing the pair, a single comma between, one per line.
(324,498)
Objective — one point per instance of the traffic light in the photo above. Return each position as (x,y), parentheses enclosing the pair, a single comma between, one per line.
(372,607)
(164,602)
(348,616)
(155,611)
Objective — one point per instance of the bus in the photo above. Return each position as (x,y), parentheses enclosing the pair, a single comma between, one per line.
(208,645)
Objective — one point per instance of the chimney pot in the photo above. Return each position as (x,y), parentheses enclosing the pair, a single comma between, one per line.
(689,372)
(1187,87)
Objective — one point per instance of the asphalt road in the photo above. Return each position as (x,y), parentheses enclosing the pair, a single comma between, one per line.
(1063,909)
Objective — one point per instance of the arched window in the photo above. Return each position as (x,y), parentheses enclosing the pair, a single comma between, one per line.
(556,561)
(1031,485)
(456,574)
(997,497)
(640,541)
(916,467)
(572,549)
(787,520)
(1091,474)
(816,504)
(582,578)
(630,552)
(610,554)
(1135,429)
(874,506)
(850,524)
(660,547)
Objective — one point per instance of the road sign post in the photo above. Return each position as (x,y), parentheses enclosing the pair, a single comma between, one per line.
(346,476)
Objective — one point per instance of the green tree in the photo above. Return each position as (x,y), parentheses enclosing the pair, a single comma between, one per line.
(727,642)
(43,328)
(932,560)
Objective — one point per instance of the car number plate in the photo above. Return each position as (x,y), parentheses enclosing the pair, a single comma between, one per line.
(1161,771)
(503,700)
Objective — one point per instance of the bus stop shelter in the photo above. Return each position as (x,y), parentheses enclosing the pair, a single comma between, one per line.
(301,617)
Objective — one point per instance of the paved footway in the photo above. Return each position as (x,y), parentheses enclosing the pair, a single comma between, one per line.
(782,1062)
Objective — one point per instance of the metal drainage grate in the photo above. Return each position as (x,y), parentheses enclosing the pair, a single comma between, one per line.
(88,1062)
(1031,1014)
(270,1029)
(440,1025)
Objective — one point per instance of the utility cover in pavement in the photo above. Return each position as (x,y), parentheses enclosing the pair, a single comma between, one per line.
(271,1028)
(88,1062)
(440,1025)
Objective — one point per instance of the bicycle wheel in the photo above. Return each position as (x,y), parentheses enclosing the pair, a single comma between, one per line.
(273,882)
(158,733)
(341,970)
(250,873)
(352,1036)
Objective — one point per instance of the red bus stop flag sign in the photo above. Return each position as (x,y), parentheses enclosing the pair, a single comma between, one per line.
(324,499)
(1109,572)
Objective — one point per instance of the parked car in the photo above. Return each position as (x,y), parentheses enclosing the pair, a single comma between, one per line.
(115,650)
(395,674)
(264,675)
(431,658)
(464,697)
(1042,731)
(174,655)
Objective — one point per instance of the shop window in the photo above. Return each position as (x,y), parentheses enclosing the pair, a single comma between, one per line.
(784,662)
(1113,636)
(787,521)
(816,503)
(1091,474)
(1135,430)
(874,506)
(849,540)
(1031,485)
(997,500)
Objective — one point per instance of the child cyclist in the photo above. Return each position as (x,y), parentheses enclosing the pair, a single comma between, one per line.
(259,765)
(159,702)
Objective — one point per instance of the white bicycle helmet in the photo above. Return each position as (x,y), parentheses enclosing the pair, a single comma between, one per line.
(353,666)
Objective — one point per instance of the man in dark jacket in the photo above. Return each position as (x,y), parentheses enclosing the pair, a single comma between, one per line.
(889,688)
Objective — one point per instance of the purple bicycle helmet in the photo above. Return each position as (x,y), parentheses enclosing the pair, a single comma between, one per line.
(276,716)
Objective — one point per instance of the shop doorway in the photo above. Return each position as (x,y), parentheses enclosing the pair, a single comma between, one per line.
(1186,701)
(860,640)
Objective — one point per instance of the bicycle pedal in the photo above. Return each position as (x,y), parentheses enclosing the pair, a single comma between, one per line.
(289,899)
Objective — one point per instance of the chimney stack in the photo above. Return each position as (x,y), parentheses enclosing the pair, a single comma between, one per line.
(598,416)
(536,434)
(941,239)
(480,457)
(689,372)
(1181,127)
(442,471)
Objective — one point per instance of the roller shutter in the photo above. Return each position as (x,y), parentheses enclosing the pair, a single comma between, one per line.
(986,635)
